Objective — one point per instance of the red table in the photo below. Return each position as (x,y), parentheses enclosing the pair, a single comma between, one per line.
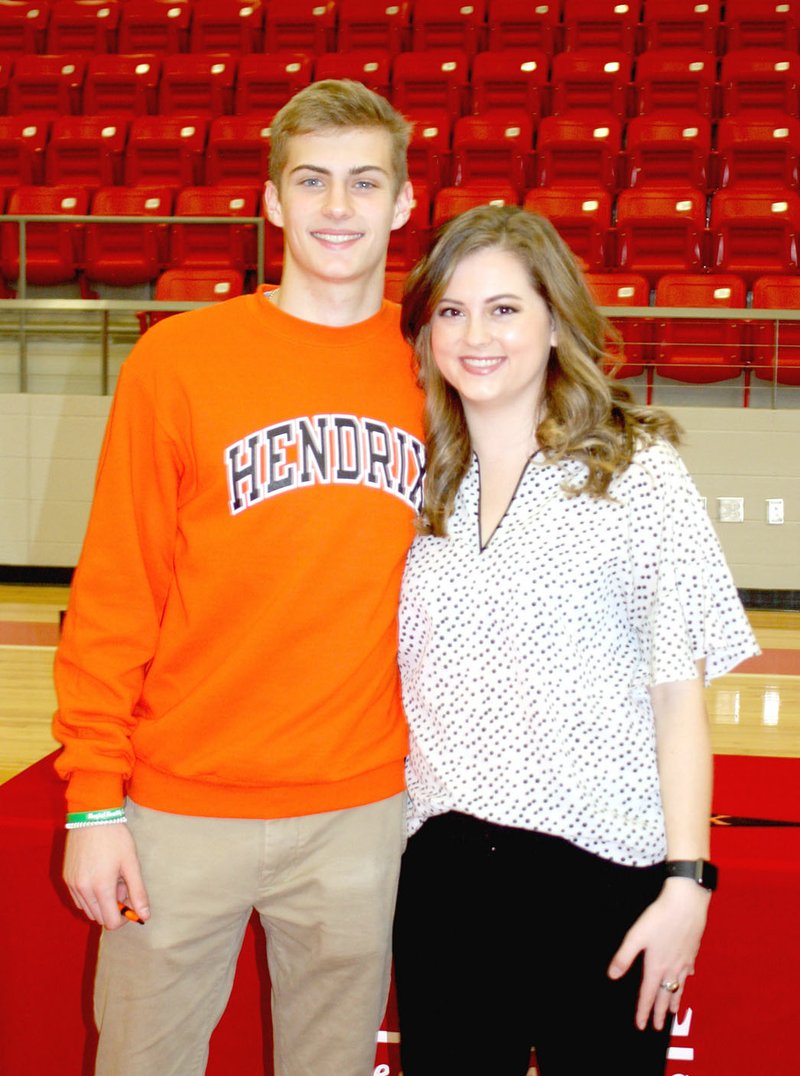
(741,1012)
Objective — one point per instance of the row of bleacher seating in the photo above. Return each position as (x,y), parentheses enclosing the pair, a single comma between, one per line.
(654,232)
(521,78)
(696,351)
(325,25)
(583,150)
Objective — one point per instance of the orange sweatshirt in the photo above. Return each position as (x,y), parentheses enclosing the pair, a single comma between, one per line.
(230,645)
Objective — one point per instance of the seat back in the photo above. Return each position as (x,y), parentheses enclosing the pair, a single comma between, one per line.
(508,81)
(776,355)
(698,349)
(22,144)
(623,289)
(754,231)
(83,26)
(153,26)
(603,24)
(755,24)
(761,79)
(47,84)
(165,151)
(578,149)
(195,85)
(221,26)
(365,24)
(125,254)
(661,230)
(266,82)
(86,151)
(518,24)
(671,79)
(452,201)
(435,79)
(487,149)
(53,251)
(449,24)
(121,85)
(214,245)
(581,216)
(683,24)
(238,151)
(759,150)
(664,149)
(593,79)
(370,66)
(301,25)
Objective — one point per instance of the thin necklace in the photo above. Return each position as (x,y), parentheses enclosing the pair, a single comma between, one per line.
(273,295)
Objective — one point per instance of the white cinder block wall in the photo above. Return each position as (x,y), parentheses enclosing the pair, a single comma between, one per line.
(49,447)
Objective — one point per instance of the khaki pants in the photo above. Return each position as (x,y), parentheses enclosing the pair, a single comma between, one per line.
(324,886)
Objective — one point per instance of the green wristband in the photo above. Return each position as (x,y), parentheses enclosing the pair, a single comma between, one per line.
(94,818)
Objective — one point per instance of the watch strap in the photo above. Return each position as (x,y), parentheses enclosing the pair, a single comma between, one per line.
(699,870)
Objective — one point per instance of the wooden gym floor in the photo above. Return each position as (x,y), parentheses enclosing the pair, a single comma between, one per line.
(754,711)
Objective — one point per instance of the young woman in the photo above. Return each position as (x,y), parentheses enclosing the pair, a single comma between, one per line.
(561,607)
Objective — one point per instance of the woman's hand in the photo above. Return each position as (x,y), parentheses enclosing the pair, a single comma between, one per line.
(668,934)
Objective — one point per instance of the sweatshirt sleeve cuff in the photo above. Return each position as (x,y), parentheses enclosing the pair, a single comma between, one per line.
(94,791)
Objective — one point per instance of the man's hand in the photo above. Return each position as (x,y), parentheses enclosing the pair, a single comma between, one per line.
(101,867)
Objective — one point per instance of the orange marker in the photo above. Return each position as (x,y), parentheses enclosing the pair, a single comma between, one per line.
(129,913)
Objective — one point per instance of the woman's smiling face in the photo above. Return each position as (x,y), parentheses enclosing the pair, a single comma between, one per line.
(491,332)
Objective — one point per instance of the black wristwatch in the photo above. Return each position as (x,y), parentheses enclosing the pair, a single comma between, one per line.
(700,870)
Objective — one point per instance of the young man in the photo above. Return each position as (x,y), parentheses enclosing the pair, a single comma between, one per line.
(227,677)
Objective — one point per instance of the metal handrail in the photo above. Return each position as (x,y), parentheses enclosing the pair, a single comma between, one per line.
(23,219)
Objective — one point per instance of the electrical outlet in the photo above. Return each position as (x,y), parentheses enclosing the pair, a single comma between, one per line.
(731,509)
(775,510)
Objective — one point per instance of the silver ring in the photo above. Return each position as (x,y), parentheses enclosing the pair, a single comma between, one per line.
(672,987)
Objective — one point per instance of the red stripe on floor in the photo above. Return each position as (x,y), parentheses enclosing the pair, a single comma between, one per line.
(774,662)
(30,633)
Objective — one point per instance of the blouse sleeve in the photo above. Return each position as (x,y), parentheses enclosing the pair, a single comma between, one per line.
(687,605)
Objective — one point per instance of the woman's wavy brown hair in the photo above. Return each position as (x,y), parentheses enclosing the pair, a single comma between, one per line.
(586,415)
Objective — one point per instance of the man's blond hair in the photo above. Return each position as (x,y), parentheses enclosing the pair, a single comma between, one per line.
(337,104)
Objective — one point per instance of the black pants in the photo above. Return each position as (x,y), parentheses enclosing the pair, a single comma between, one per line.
(502,941)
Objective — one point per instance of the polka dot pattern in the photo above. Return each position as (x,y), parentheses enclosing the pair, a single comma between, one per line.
(526,665)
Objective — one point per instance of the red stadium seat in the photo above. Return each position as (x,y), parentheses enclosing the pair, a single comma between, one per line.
(47,84)
(670,79)
(760,79)
(194,85)
(23,25)
(22,143)
(165,151)
(525,24)
(624,289)
(492,149)
(592,79)
(6,68)
(218,245)
(511,80)
(578,149)
(409,243)
(266,82)
(435,79)
(666,149)
(394,282)
(429,153)
(373,67)
(582,218)
(221,26)
(660,230)
(154,26)
(760,150)
(53,251)
(683,24)
(121,85)
(83,26)
(755,231)
(192,286)
(697,349)
(301,25)
(777,351)
(238,151)
(86,151)
(756,24)
(601,24)
(127,254)
(367,24)
(449,24)
(451,201)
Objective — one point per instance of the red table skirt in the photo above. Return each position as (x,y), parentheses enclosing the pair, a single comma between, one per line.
(741,1009)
